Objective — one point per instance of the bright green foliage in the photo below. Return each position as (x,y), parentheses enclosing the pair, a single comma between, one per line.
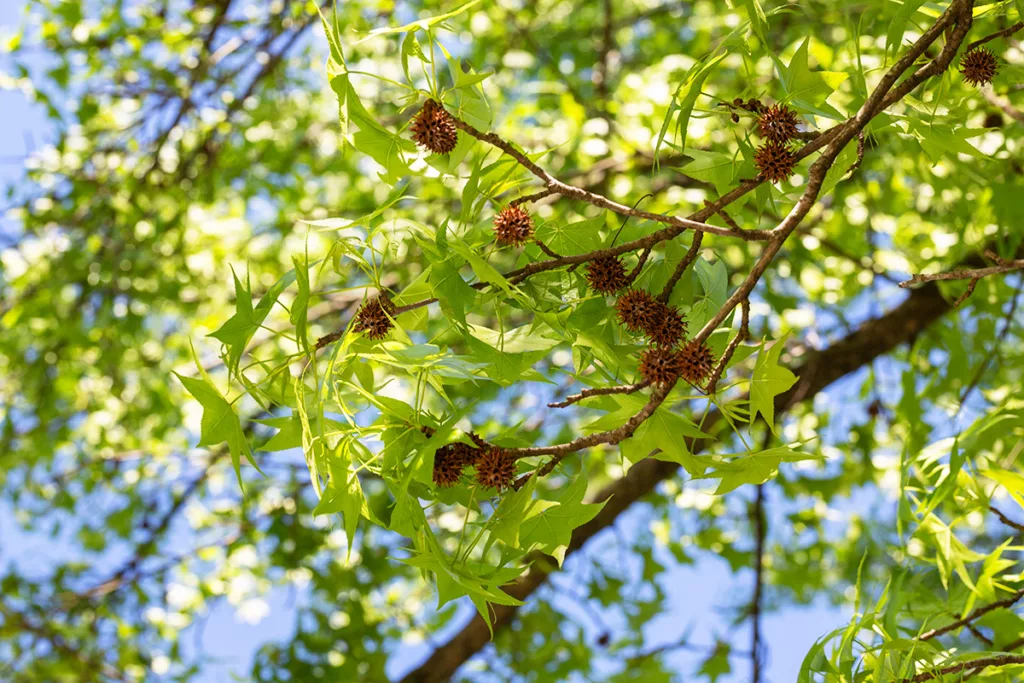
(197,256)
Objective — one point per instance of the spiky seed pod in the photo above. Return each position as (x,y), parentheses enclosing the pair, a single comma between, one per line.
(494,469)
(777,123)
(659,365)
(696,361)
(607,275)
(775,161)
(513,226)
(373,319)
(464,453)
(478,440)
(636,310)
(667,328)
(447,466)
(433,129)
(979,66)
(450,460)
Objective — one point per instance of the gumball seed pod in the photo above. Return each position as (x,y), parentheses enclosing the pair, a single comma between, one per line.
(433,129)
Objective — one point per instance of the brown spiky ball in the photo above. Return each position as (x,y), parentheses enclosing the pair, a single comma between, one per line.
(660,365)
(636,310)
(667,328)
(777,123)
(696,361)
(434,129)
(513,226)
(447,467)
(607,275)
(494,469)
(373,317)
(449,461)
(775,161)
(979,66)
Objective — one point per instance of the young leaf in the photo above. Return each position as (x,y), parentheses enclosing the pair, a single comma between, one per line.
(769,380)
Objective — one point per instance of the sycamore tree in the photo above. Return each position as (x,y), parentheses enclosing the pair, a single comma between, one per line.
(473,323)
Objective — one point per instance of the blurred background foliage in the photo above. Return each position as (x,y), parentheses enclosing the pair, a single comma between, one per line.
(187,138)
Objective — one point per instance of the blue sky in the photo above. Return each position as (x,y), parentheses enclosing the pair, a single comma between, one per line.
(696,593)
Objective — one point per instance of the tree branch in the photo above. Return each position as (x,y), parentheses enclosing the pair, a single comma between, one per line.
(600,391)
(874,338)
(973,274)
(980,612)
(971,667)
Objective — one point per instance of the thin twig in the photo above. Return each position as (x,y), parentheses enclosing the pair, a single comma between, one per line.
(980,612)
(546,249)
(760,529)
(599,200)
(1000,340)
(600,391)
(971,667)
(691,256)
(532,197)
(1006,520)
(1006,32)
(742,336)
(964,273)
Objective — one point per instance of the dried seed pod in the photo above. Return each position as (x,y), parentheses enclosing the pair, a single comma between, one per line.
(513,226)
(660,365)
(449,462)
(607,275)
(373,317)
(777,123)
(667,327)
(979,66)
(636,310)
(738,102)
(434,129)
(447,468)
(775,161)
(696,361)
(495,469)
(735,117)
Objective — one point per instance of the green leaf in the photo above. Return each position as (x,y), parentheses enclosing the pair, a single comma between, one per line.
(758,20)
(712,167)
(806,89)
(573,239)
(553,527)
(219,423)
(769,380)
(717,665)
(940,141)
(507,520)
(662,435)
(713,280)
(343,494)
(386,149)
(448,286)
(899,24)
(754,468)
(420,24)
(238,330)
(300,305)
(685,98)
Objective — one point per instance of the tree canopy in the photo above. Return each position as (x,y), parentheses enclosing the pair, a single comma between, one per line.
(472,323)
